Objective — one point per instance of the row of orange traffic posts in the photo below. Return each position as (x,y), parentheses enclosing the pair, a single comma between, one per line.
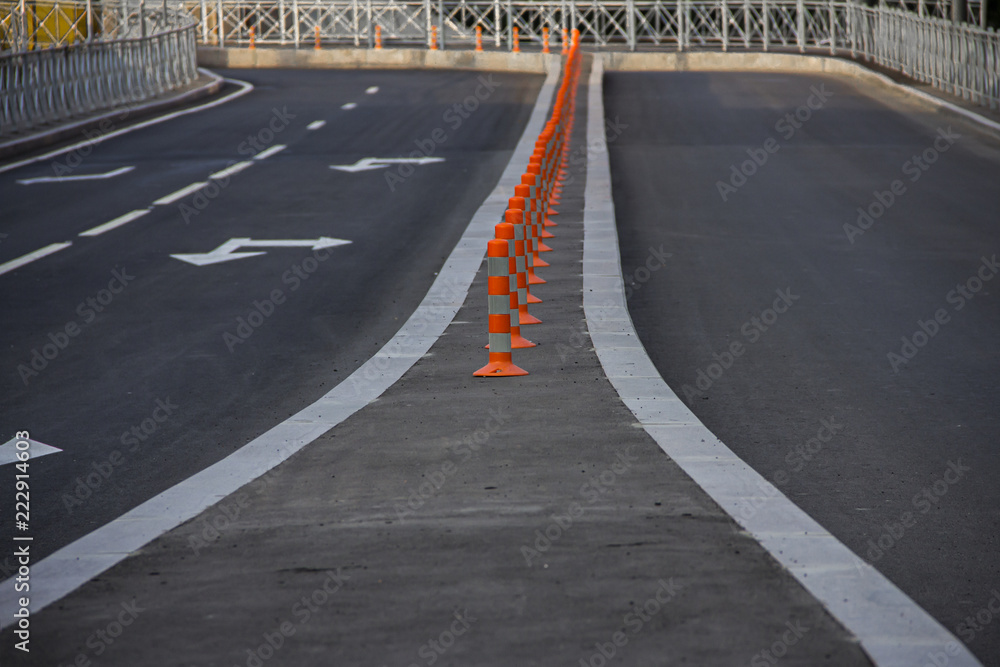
(516,48)
(514,254)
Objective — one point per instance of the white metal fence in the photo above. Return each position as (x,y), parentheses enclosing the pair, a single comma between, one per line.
(148,55)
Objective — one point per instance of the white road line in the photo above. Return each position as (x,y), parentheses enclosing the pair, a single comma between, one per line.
(348,106)
(316,124)
(80,177)
(117,222)
(371,90)
(180,194)
(892,628)
(244,89)
(8,451)
(268,152)
(72,566)
(229,171)
(32,256)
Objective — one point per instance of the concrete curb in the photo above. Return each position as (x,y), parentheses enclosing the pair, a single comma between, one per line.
(892,628)
(73,129)
(351,58)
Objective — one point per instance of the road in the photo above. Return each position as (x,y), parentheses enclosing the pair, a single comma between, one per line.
(848,355)
(150,368)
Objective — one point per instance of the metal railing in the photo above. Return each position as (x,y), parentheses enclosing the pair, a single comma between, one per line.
(149,54)
(958,58)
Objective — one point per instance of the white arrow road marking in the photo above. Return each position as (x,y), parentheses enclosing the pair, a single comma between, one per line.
(79,177)
(225,252)
(8,451)
(32,256)
(367,163)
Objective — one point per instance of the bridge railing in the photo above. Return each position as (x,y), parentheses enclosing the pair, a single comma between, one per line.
(141,55)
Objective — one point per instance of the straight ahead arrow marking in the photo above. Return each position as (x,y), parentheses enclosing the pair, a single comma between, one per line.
(227,251)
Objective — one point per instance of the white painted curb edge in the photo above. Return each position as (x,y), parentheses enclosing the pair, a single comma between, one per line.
(75,564)
(891,627)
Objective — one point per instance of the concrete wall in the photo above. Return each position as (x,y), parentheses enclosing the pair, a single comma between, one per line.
(350,58)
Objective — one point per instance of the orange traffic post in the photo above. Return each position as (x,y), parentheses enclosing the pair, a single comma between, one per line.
(524,264)
(378,38)
(501,363)
(507,231)
(545,39)
(576,38)
(532,240)
(434,38)
(252,44)
(517,41)
(565,39)
(479,38)
(537,216)
(317,38)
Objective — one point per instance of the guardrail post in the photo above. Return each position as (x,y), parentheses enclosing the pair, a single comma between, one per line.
(427,23)
(510,26)
(833,28)
(371,22)
(725,25)
(296,29)
(630,23)
(221,20)
(800,24)
(356,23)
(766,18)
(496,22)
(440,23)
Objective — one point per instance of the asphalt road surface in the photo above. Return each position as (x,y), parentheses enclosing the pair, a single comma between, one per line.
(784,330)
(144,368)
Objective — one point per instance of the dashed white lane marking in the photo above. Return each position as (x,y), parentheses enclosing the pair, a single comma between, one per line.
(180,194)
(72,566)
(348,106)
(8,451)
(117,222)
(893,629)
(78,177)
(268,152)
(32,256)
(229,171)
(316,124)
(244,89)
(371,90)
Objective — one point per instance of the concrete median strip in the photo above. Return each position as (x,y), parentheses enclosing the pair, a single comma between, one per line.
(74,565)
(891,627)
